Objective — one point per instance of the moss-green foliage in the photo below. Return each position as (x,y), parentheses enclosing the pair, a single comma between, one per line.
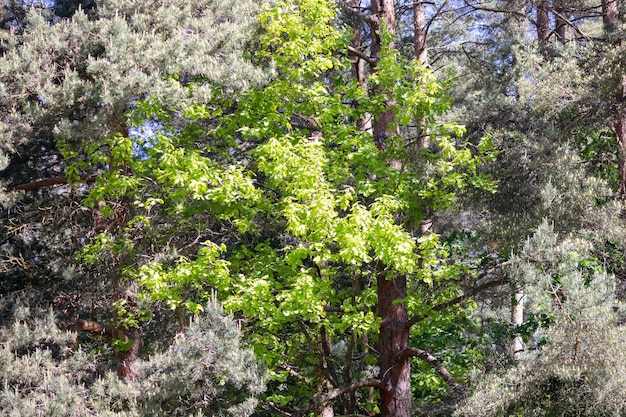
(206,371)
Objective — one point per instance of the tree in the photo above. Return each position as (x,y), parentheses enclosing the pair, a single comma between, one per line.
(68,77)
(574,364)
(206,371)
(307,226)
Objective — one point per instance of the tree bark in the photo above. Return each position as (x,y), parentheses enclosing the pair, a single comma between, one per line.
(610,16)
(393,341)
(384,14)
(125,358)
(419,28)
(35,185)
(620,135)
(560,25)
(611,19)
(517,319)
(358,64)
(543,23)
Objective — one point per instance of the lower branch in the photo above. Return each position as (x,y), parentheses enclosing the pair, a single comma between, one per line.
(461,298)
(35,185)
(126,357)
(436,365)
(331,395)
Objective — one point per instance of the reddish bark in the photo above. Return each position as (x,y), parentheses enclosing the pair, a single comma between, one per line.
(393,341)
(35,185)
(382,11)
(419,28)
(125,358)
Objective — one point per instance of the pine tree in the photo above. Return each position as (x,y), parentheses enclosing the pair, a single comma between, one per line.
(69,77)
(574,363)
(206,371)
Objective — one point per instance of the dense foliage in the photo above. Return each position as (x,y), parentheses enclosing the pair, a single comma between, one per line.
(300,164)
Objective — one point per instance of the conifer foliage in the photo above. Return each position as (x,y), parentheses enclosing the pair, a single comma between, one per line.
(205,372)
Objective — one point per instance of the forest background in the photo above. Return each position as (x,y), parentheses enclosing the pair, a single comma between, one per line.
(350,208)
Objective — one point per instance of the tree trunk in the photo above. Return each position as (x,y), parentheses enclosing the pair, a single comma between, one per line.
(393,340)
(395,368)
(358,66)
(517,319)
(543,23)
(560,25)
(620,136)
(125,357)
(383,11)
(610,20)
(419,27)
(610,16)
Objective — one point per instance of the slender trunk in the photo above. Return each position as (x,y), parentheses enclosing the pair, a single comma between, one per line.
(611,20)
(358,67)
(543,23)
(620,135)
(560,25)
(419,27)
(383,10)
(517,319)
(421,53)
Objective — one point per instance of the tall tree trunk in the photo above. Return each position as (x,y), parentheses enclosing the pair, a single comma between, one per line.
(620,134)
(395,370)
(384,14)
(610,17)
(517,319)
(560,24)
(358,65)
(419,27)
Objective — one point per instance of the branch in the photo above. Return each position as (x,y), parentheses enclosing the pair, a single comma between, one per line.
(570,24)
(372,21)
(435,364)
(98,329)
(331,395)
(353,51)
(463,297)
(35,185)
(504,11)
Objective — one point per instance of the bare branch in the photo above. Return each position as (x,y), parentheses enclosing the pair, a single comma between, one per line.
(435,364)
(371,20)
(331,395)
(570,24)
(463,297)
(353,51)
(35,185)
